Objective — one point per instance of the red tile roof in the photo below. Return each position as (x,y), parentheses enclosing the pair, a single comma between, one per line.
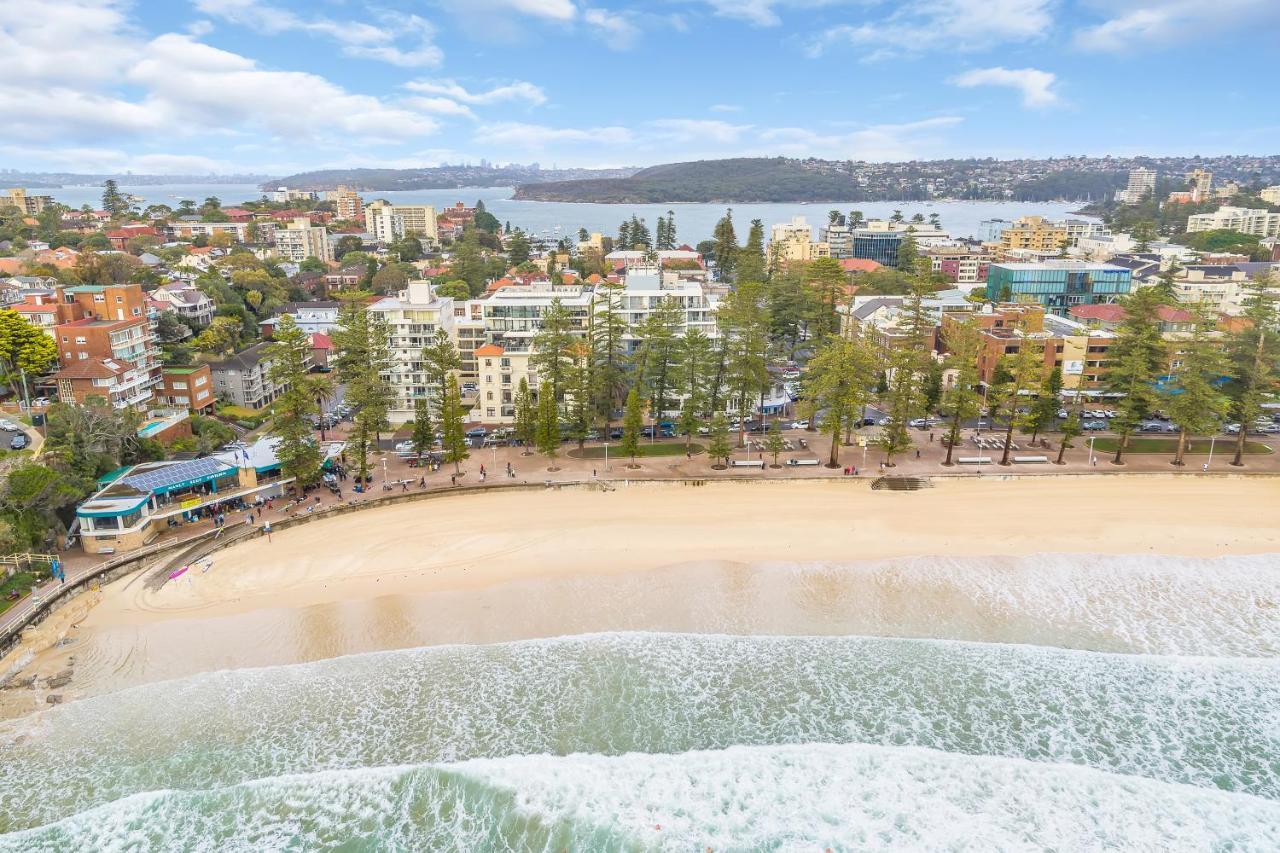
(860,265)
(1110,312)
(490,349)
(319,340)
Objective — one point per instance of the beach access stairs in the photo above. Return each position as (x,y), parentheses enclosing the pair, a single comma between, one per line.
(901,484)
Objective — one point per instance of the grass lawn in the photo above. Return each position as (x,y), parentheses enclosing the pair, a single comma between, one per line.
(1196,447)
(668,448)
(21,581)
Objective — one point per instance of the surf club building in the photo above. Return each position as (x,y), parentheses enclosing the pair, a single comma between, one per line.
(138,503)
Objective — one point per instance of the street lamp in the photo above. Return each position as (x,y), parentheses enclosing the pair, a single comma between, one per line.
(1212,440)
(1093,460)
(385,484)
(606,456)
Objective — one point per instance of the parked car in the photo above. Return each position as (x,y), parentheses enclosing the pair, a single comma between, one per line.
(1157,426)
(801,424)
(1229,429)
(404,447)
(8,426)
(1094,425)
(477,432)
(1063,414)
(18,442)
(1171,427)
(615,434)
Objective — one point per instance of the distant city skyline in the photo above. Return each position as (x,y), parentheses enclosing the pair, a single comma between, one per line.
(280,86)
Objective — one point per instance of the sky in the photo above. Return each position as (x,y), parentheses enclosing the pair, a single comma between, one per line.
(279,86)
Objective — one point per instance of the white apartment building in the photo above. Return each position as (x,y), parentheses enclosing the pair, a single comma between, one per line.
(284,194)
(413,316)
(645,290)
(1271,195)
(1247,220)
(1201,181)
(1142,183)
(499,371)
(302,240)
(187,301)
(513,315)
(388,222)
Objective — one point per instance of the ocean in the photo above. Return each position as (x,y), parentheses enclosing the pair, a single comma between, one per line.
(1120,703)
(694,222)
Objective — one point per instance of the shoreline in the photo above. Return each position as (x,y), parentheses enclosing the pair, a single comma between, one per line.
(492,566)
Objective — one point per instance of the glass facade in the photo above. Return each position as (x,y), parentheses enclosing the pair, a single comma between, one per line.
(1058,288)
(878,246)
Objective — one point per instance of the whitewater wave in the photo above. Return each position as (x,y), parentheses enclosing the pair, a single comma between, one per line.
(1213,723)
(809,797)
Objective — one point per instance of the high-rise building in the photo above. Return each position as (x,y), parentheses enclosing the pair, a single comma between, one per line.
(28,204)
(878,246)
(1201,181)
(413,316)
(1142,183)
(348,204)
(1058,285)
(388,222)
(301,240)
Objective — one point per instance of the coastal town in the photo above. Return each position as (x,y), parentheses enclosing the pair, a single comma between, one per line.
(167,366)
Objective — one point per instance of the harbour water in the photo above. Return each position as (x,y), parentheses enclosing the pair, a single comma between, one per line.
(694,222)
(1110,703)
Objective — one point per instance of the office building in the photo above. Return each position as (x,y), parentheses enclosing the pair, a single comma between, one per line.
(875,245)
(1058,285)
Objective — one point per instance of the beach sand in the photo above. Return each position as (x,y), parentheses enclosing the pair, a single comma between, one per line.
(510,565)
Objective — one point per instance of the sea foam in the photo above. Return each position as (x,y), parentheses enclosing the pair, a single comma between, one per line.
(1208,722)
(848,797)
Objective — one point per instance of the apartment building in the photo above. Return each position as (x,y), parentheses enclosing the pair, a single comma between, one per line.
(1079,351)
(412,317)
(1058,285)
(300,240)
(500,371)
(1142,183)
(1034,233)
(791,241)
(110,352)
(645,290)
(513,315)
(244,378)
(388,222)
(348,204)
(46,309)
(284,195)
(28,204)
(883,319)
(1201,182)
(187,388)
(960,264)
(1271,195)
(1247,220)
(310,317)
(468,329)
(189,229)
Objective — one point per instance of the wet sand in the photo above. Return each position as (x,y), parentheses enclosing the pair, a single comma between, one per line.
(504,566)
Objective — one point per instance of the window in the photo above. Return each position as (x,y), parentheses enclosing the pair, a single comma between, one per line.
(488,413)
(179,385)
(80,341)
(119,300)
(488,395)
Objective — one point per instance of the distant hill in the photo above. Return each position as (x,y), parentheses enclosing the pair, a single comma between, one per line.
(781,179)
(741,179)
(437,177)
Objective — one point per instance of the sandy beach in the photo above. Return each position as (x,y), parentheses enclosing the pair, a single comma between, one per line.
(503,566)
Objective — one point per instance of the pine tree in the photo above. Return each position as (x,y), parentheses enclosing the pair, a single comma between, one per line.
(745,326)
(836,381)
(660,233)
(773,441)
(624,236)
(517,248)
(1195,402)
(827,281)
(695,367)
(113,201)
(608,346)
(961,401)
(751,260)
(672,240)
(657,358)
(363,364)
(290,355)
(440,360)
(1138,356)
(1254,352)
(526,424)
(726,247)
(719,446)
(455,437)
(632,422)
(424,436)
(580,393)
(548,425)
(552,348)
(1023,371)
(1044,411)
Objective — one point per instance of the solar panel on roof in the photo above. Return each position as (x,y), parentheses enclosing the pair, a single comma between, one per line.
(161,480)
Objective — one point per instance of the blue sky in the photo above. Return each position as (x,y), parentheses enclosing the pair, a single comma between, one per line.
(278,86)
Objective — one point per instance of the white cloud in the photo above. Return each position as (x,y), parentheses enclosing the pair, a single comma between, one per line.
(358,38)
(882,142)
(520,90)
(699,130)
(758,12)
(920,25)
(725,108)
(555,10)
(67,41)
(1145,23)
(619,29)
(440,106)
(1036,86)
(539,136)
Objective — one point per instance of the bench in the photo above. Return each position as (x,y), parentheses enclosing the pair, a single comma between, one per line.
(1031,459)
(973,460)
(804,461)
(747,463)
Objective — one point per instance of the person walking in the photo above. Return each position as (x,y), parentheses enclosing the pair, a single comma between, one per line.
(453,479)
(266,528)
